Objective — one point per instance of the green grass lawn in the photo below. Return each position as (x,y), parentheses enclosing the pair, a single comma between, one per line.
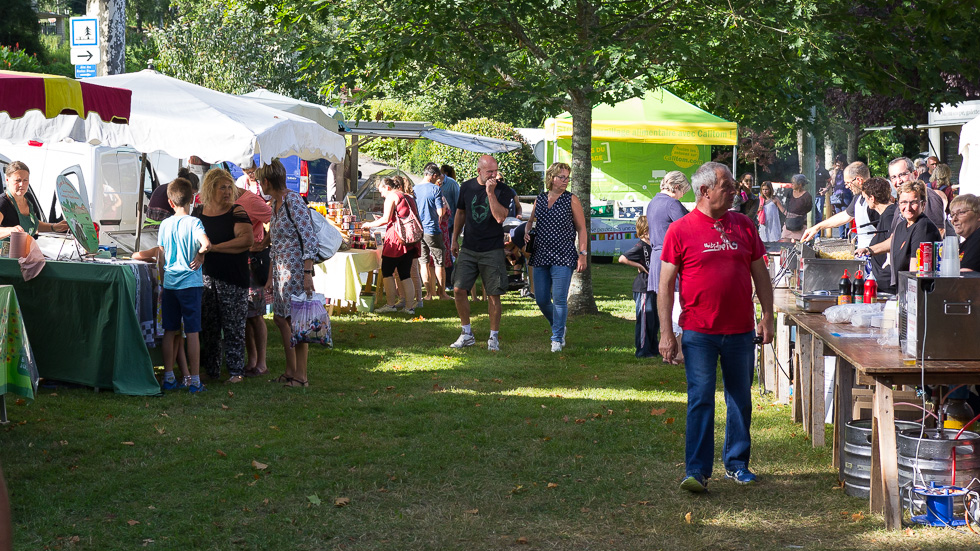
(427,448)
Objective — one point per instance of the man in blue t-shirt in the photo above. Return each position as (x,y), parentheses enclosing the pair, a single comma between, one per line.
(428,197)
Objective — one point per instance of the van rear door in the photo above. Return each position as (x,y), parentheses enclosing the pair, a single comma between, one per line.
(120,172)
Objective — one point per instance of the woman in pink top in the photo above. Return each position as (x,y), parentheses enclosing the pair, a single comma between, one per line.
(259,268)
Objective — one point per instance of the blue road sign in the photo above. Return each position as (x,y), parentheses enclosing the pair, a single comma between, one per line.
(85,71)
(84,31)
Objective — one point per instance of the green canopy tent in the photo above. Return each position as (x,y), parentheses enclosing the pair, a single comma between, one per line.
(636,142)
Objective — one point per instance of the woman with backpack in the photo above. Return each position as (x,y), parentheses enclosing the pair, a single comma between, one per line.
(294,244)
(396,254)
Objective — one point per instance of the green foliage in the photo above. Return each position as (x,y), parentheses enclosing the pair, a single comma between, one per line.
(19,27)
(140,51)
(515,166)
(396,152)
(226,46)
(13,59)
(58,54)
(879,148)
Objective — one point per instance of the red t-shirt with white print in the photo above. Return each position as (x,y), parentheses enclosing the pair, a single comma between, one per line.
(714,258)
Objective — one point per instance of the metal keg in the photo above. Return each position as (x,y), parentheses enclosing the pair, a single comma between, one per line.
(930,459)
(857,455)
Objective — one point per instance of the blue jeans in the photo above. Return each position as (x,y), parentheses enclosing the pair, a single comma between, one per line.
(818,204)
(551,293)
(647,337)
(701,354)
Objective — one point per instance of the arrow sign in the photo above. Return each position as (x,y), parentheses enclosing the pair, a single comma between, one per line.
(85,55)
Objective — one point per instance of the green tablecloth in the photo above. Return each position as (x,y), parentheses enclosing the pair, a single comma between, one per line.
(83,325)
(18,372)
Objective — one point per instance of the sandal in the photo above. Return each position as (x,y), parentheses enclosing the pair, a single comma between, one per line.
(297,383)
(281,379)
(235,379)
(255,373)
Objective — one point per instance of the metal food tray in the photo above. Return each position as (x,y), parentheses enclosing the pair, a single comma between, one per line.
(814,302)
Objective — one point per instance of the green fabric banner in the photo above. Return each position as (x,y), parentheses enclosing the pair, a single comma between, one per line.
(82,322)
(630,171)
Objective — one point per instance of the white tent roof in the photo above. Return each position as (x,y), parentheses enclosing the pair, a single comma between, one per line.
(970,150)
(183,119)
(416,130)
(327,117)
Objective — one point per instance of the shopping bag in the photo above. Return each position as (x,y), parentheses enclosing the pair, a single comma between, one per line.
(310,321)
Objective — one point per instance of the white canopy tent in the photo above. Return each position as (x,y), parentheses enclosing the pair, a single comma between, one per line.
(327,117)
(416,130)
(970,150)
(183,119)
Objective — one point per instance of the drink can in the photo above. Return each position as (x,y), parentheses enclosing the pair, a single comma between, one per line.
(926,266)
(937,255)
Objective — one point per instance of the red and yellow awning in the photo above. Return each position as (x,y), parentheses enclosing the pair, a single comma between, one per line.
(55,95)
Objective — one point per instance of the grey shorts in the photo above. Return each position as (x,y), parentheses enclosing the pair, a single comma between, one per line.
(433,246)
(491,266)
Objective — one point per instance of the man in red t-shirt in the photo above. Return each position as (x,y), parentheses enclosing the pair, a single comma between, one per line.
(717,254)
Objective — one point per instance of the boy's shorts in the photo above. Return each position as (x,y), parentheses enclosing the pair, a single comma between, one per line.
(181,304)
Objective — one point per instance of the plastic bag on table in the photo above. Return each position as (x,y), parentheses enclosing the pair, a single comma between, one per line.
(849,313)
(310,321)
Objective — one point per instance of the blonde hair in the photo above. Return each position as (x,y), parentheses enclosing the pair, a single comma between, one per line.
(675,181)
(941,175)
(969,200)
(214,177)
(917,187)
(642,227)
(553,170)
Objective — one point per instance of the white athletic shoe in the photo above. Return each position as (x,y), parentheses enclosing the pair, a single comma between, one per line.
(464,340)
(493,344)
(386,309)
(556,346)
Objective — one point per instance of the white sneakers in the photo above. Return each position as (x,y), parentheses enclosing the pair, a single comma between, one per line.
(464,340)
(556,346)
(386,309)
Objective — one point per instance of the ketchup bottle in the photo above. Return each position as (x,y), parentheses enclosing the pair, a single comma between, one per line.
(870,290)
(845,289)
(858,288)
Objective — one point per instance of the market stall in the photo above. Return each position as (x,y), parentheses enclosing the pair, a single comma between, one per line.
(84,323)
(921,339)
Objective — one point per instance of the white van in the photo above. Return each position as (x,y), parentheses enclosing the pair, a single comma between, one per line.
(106,177)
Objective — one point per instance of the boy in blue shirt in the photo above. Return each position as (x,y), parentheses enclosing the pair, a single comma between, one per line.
(183,244)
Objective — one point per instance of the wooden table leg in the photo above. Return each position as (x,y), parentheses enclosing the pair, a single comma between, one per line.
(885,498)
(783,357)
(843,410)
(818,404)
(769,368)
(803,374)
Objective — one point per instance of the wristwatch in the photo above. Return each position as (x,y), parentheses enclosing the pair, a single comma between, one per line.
(583,253)
(308,272)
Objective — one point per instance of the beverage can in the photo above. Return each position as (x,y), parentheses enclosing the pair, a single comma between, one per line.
(926,265)
(937,255)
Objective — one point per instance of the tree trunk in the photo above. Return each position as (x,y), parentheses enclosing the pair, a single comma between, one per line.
(580,297)
(828,152)
(112,34)
(853,138)
(799,150)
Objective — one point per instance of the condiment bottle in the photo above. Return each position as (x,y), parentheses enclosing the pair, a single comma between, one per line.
(858,288)
(845,289)
(870,290)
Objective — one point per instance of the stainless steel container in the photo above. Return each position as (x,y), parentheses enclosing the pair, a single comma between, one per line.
(823,274)
(942,311)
